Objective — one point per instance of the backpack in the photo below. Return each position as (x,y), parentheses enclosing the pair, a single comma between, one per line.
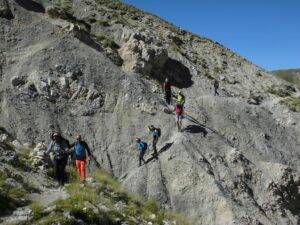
(80,153)
(145,146)
(178,109)
(216,84)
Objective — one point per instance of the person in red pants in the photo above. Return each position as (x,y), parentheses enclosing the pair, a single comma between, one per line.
(82,155)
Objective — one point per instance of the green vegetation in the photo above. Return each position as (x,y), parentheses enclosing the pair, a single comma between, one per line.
(292,76)
(103,23)
(293,103)
(217,70)
(106,41)
(62,13)
(9,195)
(67,5)
(275,90)
(96,203)
(208,75)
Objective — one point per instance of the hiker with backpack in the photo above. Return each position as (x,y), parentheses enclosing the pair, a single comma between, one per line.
(179,116)
(59,146)
(82,155)
(142,147)
(168,91)
(180,99)
(216,87)
(155,133)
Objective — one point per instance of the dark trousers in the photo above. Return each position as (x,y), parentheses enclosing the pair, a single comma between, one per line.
(216,91)
(141,158)
(168,96)
(154,142)
(59,167)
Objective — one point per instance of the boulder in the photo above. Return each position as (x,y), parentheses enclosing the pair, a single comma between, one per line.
(37,156)
(140,57)
(40,83)
(64,83)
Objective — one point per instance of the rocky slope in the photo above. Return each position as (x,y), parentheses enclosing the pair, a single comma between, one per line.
(29,195)
(95,67)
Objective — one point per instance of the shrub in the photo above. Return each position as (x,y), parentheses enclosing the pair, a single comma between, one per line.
(67,5)
(275,90)
(37,211)
(217,70)
(9,195)
(292,103)
(103,23)
(208,75)
(57,12)
(106,42)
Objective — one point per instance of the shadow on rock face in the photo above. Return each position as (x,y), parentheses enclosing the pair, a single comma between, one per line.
(31,6)
(178,74)
(163,149)
(194,129)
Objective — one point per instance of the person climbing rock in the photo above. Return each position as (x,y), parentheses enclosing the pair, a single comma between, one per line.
(82,155)
(168,91)
(142,147)
(179,116)
(216,86)
(180,99)
(155,133)
(59,146)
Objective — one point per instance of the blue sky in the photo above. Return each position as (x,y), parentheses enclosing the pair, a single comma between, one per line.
(267,32)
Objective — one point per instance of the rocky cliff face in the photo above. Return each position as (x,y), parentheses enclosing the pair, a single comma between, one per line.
(95,67)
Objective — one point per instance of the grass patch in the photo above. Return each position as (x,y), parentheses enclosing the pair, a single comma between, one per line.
(67,5)
(24,158)
(103,23)
(275,90)
(208,75)
(292,103)
(107,191)
(106,41)
(292,76)
(37,211)
(54,219)
(9,195)
(217,70)
(60,12)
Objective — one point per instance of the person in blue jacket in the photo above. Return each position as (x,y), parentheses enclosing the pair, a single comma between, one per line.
(142,147)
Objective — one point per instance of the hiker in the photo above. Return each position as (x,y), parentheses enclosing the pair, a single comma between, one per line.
(179,116)
(59,146)
(142,147)
(180,99)
(155,132)
(168,91)
(216,86)
(82,155)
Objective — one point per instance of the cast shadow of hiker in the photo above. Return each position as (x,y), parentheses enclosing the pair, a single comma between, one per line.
(31,6)
(163,149)
(194,129)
